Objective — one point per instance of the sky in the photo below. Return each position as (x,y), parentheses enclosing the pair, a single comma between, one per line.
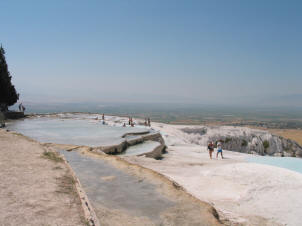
(210,52)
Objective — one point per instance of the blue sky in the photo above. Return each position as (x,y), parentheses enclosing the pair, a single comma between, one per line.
(235,51)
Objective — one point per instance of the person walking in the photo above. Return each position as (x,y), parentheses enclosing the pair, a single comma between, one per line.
(210,148)
(21,108)
(219,149)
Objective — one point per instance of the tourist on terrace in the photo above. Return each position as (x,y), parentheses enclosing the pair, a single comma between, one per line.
(219,149)
(210,148)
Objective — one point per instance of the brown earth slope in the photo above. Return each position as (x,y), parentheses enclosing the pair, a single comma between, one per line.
(36,186)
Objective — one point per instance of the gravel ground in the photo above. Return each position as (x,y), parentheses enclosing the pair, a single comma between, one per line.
(35,189)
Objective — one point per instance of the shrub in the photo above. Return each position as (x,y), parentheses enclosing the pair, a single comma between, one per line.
(52,156)
(227,140)
(244,143)
(265,144)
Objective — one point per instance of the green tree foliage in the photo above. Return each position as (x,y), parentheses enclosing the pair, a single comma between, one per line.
(265,144)
(244,143)
(8,94)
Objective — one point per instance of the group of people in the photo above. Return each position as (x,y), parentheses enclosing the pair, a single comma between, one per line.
(211,147)
(103,119)
(131,123)
(130,119)
(148,122)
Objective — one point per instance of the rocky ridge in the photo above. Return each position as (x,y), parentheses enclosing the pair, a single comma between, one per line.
(242,139)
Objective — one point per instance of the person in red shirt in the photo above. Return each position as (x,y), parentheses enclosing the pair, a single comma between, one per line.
(210,148)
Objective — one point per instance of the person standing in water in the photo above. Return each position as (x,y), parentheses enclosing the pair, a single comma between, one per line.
(210,148)
(219,149)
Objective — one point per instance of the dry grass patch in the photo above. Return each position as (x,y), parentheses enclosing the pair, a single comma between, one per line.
(66,185)
(57,168)
(53,156)
(293,134)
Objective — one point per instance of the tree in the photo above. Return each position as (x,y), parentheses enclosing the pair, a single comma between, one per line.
(8,93)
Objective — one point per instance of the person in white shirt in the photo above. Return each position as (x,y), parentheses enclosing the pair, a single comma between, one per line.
(219,149)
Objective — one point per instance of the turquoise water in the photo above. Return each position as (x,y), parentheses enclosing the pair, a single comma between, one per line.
(71,131)
(290,163)
(138,149)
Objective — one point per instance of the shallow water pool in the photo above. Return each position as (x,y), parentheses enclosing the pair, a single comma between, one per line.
(114,188)
(71,131)
(138,149)
(290,163)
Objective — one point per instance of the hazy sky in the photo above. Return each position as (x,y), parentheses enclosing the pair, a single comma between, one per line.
(196,51)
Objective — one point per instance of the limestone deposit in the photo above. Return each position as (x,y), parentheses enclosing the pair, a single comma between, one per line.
(242,139)
(245,193)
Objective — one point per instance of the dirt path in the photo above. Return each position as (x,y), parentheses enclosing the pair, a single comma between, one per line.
(36,188)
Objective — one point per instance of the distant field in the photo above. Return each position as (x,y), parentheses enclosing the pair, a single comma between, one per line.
(293,134)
